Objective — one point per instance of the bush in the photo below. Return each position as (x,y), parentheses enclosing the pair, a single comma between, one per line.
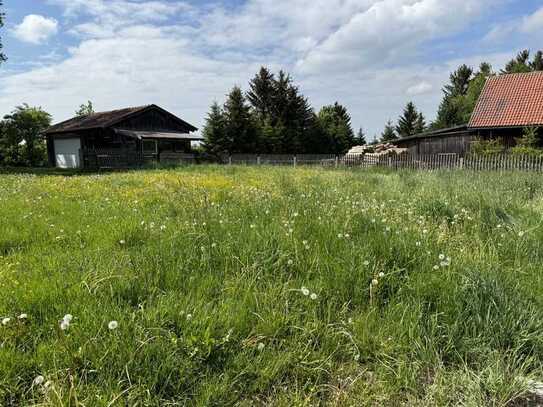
(527,144)
(487,147)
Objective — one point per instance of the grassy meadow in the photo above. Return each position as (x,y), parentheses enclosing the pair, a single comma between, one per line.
(244,286)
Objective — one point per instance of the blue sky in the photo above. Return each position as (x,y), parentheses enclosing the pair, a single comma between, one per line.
(371,55)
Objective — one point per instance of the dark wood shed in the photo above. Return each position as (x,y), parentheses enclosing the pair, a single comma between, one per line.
(135,133)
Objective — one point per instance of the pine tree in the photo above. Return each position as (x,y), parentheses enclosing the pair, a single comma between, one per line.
(407,123)
(537,63)
(240,129)
(215,142)
(389,133)
(519,64)
(261,95)
(360,139)
(2,15)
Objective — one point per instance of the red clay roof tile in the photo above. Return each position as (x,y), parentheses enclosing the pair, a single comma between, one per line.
(510,100)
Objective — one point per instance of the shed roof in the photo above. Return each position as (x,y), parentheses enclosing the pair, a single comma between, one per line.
(105,119)
(511,100)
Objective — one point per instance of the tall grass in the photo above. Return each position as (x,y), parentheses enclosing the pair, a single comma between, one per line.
(270,286)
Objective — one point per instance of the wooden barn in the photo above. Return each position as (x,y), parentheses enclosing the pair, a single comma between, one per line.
(119,138)
(508,104)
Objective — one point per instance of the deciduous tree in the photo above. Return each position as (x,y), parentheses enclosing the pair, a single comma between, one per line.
(21,136)
(85,109)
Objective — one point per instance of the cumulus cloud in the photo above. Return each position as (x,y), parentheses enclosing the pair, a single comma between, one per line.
(183,55)
(36,29)
(390,31)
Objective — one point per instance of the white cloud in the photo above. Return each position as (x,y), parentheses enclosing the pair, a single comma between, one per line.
(388,32)
(419,89)
(533,22)
(361,53)
(36,29)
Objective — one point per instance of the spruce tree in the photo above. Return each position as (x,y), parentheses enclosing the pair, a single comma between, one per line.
(389,133)
(407,123)
(261,94)
(335,122)
(360,139)
(215,142)
(240,129)
(420,124)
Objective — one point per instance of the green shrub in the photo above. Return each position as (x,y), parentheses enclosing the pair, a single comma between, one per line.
(486,147)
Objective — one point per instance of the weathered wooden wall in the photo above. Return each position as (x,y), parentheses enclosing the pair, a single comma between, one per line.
(153,120)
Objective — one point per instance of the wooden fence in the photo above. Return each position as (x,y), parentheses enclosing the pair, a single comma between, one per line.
(110,159)
(503,162)
(124,158)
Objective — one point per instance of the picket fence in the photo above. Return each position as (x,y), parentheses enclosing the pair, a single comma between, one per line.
(111,159)
(502,162)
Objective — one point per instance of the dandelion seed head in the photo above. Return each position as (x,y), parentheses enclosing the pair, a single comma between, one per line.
(113,325)
(313,296)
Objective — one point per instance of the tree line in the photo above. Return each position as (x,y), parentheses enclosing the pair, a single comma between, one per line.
(273,117)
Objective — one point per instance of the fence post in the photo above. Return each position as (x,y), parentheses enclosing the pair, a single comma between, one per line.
(461,163)
(258,160)
(294,159)
(337,161)
(229,160)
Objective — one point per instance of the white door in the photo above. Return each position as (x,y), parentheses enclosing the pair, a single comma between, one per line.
(67,152)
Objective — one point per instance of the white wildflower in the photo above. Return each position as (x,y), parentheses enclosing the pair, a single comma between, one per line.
(64,325)
(23,316)
(366,263)
(5,321)
(38,381)
(381,274)
(260,346)
(374,282)
(313,296)
(122,242)
(113,325)
(441,257)
(68,318)
(305,291)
